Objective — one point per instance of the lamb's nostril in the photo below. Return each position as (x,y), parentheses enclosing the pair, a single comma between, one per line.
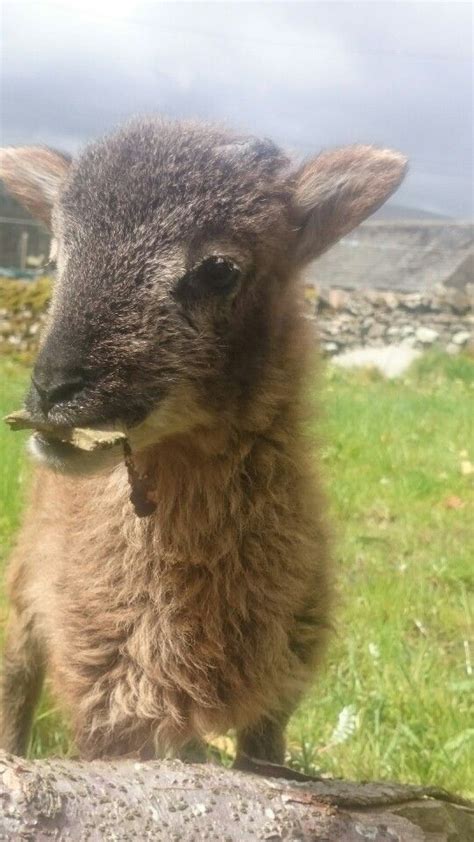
(57,389)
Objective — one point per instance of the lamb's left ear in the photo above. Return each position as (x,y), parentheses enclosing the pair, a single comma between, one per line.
(337,190)
(33,175)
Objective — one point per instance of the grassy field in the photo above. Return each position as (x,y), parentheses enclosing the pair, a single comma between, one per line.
(396,698)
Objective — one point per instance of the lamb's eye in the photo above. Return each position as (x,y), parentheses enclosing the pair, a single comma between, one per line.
(220,273)
(214,275)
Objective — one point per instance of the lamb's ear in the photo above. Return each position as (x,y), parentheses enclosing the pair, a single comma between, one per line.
(337,190)
(33,175)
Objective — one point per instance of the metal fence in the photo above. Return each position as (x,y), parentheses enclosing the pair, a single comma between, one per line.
(24,244)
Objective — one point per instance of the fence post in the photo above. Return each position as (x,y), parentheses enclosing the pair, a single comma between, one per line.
(23,249)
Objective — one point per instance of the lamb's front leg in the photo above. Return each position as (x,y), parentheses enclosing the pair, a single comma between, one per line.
(263,741)
(21,681)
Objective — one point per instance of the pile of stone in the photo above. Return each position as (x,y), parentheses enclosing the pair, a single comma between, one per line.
(344,319)
(23,308)
(347,319)
(19,331)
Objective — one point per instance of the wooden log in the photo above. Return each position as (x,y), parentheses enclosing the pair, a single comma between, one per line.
(84,438)
(171,801)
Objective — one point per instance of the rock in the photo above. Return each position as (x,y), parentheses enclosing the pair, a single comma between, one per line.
(461,338)
(330,347)
(333,328)
(413,301)
(323,300)
(426,335)
(391,361)
(442,318)
(406,330)
(376,330)
(453,349)
(390,300)
(337,299)
(458,300)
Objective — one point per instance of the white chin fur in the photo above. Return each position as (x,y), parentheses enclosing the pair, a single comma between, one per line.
(66,459)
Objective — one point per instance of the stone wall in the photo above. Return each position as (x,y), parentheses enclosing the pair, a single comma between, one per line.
(23,306)
(373,318)
(343,319)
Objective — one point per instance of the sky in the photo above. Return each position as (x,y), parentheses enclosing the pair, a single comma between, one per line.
(310,75)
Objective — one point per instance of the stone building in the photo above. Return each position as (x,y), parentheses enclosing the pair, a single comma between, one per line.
(407,256)
(24,243)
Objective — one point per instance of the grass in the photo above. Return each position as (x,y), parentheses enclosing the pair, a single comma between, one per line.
(19,295)
(396,698)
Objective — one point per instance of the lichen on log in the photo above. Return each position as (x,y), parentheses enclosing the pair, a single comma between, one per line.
(169,800)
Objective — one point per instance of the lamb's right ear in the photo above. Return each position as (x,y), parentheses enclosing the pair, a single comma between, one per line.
(337,190)
(33,175)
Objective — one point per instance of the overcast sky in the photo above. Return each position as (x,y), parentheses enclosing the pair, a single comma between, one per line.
(307,74)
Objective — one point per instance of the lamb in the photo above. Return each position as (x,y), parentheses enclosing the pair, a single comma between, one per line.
(176,314)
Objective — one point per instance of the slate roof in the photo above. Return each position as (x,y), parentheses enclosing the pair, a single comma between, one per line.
(406,256)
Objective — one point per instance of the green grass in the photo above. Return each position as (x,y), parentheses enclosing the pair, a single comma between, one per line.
(395,700)
(13,379)
(49,734)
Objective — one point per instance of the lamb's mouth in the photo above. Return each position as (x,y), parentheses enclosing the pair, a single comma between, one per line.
(87,450)
(70,449)
(68,458)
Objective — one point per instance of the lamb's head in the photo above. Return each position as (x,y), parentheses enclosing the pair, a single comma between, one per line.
(175,246)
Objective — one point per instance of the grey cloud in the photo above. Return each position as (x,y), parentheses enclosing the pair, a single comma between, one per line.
(309,75)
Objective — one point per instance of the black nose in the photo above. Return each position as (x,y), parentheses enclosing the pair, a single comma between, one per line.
(57,387)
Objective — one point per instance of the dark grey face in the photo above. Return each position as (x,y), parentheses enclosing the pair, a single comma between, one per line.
(168,243)
(175,243)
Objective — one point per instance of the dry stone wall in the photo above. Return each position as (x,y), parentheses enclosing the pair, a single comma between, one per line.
(343,319)
(346,319)
(23,307)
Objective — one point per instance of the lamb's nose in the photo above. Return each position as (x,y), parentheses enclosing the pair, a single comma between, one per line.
(57,388)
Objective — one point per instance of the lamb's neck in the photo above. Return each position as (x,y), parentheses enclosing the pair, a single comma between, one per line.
(207,484)
(206,481)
